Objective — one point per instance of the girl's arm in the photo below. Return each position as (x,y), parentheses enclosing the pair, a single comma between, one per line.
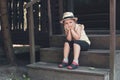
(68,35)
(76,34)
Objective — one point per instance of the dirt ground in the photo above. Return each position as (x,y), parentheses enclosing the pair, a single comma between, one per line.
(8,72)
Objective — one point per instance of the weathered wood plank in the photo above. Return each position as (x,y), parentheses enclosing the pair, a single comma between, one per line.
(31,3)
(50,71)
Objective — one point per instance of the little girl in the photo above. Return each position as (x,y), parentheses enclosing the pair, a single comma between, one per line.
(76,38)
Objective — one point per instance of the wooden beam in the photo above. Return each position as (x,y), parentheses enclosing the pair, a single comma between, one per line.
(31,34)
(61,14)
(50,18)
(31,3)
(112,38)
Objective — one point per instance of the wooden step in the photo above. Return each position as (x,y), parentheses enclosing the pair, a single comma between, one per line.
(97,41)
(50,71)
(94,58)
(100,31)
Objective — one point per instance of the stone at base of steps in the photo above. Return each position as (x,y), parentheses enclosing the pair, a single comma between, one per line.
(50,71)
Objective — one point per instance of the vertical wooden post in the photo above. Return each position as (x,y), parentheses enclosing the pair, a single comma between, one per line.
(61,14)
(31,29)
(5,28)
(31,35)
(112,39)
(50,18)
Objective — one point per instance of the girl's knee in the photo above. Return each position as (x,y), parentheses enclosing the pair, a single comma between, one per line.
(66,43)
(76,45)
(76,42)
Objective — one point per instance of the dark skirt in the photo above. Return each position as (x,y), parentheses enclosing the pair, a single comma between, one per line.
(83,44)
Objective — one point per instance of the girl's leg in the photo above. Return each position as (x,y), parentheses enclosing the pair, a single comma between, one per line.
(79,46)
(75,63)
(66,51)
(66,54)
(76,52)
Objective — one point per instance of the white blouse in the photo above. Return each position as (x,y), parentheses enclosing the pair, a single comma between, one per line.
(83,37)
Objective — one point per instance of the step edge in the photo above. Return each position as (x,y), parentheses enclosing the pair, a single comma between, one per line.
(89,35)
(89,51)
(89,70)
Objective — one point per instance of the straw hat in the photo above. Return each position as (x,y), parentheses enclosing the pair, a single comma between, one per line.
(68,15)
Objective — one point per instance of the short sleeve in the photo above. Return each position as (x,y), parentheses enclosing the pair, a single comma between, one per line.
(81,26)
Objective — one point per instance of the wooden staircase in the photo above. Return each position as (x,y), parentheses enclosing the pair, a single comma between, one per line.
(94,63)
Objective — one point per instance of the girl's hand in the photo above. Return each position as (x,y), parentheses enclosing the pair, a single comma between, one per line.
(72,27)
(66,28)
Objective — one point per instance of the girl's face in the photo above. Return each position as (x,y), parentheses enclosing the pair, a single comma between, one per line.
(69,23)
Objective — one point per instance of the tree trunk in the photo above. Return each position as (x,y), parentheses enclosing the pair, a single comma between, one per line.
(8,49)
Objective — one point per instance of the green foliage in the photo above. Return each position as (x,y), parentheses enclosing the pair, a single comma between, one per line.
(25,77)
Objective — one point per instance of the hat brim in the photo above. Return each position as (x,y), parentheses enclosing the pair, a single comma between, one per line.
(75,18)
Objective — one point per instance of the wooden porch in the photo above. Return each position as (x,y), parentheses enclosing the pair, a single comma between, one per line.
(101,62)
(99,57)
